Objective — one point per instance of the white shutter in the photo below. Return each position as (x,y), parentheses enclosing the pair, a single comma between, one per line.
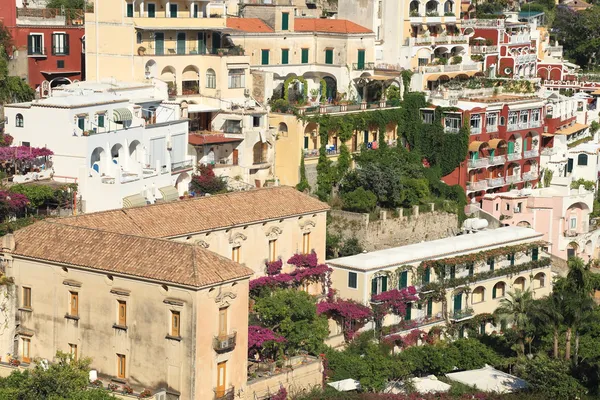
(158,148)
(179,148)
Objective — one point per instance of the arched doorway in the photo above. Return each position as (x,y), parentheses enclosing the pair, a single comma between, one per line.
(183,183)
(331,88)
(96,160)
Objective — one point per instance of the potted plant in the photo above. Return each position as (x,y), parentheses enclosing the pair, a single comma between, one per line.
(314,94)
(97,383)
(127,389)
(144,394)
(220,52)
(141,51)
(113,387)
(14,362)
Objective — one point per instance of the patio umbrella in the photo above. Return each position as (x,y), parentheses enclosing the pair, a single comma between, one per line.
(480,38)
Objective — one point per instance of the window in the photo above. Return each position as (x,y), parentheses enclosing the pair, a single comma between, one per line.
(35,44)
(379,285)
(138,37)
(236,78)
(81,122)
(26,355)
(423,61)
(573,224)
(426,276)
(582,159)
(498,290)
(476,123)
(306,243)
(74,304)
(452,123)
(256,121)
(329,56)
(211,79)
(101,120)
(403,281)
(235,254)
(285,56)
(524,118)
(223,321)
(195,10)
(492,122)
(535,117)
(121,366)
(26,297)
(285,21)
(497,206)
(304,56)
(491,261)
(26,144)
(60,44)
(122,305)
(273,250)
(19,123)
(60,64)
(507,206)
(535,252)
(511,258)
(408,315)
(264,57)
(352,280)
(512,118)
(232,126)
(151,10)
(129,10)
(428,117)
(73,351)
(173,10)
(502,121)
(175,324)
(453,272)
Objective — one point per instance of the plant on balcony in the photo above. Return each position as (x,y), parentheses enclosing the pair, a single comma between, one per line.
(432,13)
(205,181)
(144,394)
(289,81)
(350,315)
(236,50)
(392,302)
(449,14)
(113,387)
(456,60)
(126,389)
(588,185)
(141,51)
(172,89)
(476,57)
(414,13)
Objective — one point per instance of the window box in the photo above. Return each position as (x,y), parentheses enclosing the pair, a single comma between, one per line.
(73,317)
(120,327)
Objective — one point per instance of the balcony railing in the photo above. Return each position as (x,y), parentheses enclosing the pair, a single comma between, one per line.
(513,179)
(530,176)
(570,233)
(478,163)
(548,151)
(458,315)
(497,160)
(513,156)
(181,165)
(37,51)
(554,49)
(495,182)
(363,66)
(222,344)
(431,40)
(530,154)
(222,394)
(450,68)
(479,185)
(482,23)
(521,38)
(484,49)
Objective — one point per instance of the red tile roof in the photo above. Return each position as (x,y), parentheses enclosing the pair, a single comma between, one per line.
(254,25)
(200,140)
(328,26)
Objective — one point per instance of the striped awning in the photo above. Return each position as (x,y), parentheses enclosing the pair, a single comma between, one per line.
(169,193)
(122,114)
(137,200)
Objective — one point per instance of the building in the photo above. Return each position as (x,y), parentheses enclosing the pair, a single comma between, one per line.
(249,227)
(121,153)
(561,213)
(506,259)
(168,316)
(48,48)
(301,8)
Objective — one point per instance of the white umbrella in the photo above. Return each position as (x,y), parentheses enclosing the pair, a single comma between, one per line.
(479,38)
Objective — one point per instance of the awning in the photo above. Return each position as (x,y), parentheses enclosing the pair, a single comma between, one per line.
(137,200)
(475,146)
(596,92)
(571,129)
(433,77)
(204,139)
(194,108)
(494,143)
(122,114)
(169,193)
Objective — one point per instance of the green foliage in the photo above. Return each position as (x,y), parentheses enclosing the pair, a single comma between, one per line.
(290,80)
(79,4)
(38,195)
(338,246)
(303,185)
(293,314)
(205,181)
(406,77)
(359,200)
(350,247)
(12,88)
(594,127)
(588,185)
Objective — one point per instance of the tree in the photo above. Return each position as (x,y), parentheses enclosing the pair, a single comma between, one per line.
(207,182)
(513,309)
(359,200)
(303,185)
(293,314)
(350,247)
(548,313)
(68,4)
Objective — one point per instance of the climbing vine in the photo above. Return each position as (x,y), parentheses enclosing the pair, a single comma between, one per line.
(406,77)
(288,81)
(303,185)
(323,90)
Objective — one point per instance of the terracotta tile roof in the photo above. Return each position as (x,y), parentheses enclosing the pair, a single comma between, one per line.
(328,26)
(203,214)
(200,140)
(155,259)
(253,25)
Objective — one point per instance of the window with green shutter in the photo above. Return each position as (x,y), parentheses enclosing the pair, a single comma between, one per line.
(426,275)
(264,57)
(306,142)
(81,123)
(304,56)
(384,284)
(151,10)
(534,254)
(429,308)
(352,281)
(453,272)
(471,269)
(494,292)
(403,282)
(511,257)
(373,286)
(408,315)
(490,262)
(100,120)
(173,10)
(285,56)
(129,10)
(285,21)
(361,59)
(329,56)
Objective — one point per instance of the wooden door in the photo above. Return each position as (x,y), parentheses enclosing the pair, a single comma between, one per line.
(235,156)
(221,377)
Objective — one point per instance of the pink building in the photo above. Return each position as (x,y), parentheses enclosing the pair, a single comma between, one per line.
(560,213)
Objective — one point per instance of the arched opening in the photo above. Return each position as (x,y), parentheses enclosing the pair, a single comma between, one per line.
(190,78)
(151,69)
(519,284)
(310,140)
(413,8)
(524,224)
(449,8)
(168,75)
(478,295)
(282,129)
(183,183)
(135,151)
(582,159)
(431,8)
(539,280)
(260,153)
(331,88)
(513,173)
(211,79)
(572,250)
(19,121)
(499,290)
(56,82)
(96,160)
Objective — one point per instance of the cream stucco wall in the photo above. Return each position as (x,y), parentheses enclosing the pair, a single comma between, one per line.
(187,365)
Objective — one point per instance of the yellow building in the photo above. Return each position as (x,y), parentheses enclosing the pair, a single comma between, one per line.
(504,260)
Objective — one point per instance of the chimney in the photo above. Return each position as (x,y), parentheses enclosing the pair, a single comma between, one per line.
(8,242)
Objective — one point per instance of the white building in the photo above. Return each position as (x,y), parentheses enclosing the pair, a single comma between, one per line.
(121,143)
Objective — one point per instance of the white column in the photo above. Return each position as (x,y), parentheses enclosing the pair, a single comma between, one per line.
(192,9)
(142,8)
(167,9)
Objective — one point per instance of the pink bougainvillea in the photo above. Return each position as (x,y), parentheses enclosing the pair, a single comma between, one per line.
(259,338)
(23,153)
(395,300)
(304,260)
(351,315)
(280,395)
(274,267)
(408,340)
(14,201)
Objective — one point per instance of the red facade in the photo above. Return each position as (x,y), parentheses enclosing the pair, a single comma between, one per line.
(47,45)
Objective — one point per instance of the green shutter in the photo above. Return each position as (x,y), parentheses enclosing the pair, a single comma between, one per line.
(494,292)
(427,275)
(151,10)
(361,59)
(525,145)
(492,152)
(159,43)
(173,10)
(201,43)
(285,21)
(511,147)
(285,54)
(81,123)
(101,121)
(471,269)
(570,165)
(181,43)
(512,259)
(129,10)
(329,56)
(453,272)
(384,283)
(534,254)
(429,307)
(264,57)
(408,314)
(491,262)
(304,56)
(403,280)
(482,328)
(474,155)
(374,286)
(458,302)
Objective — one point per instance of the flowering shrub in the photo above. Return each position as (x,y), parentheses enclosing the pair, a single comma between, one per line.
(14,362)
(411,339)
(274,267)
(280,395)
(304,260)
(395,300)
(6,140)
(351,315)
(207,182)
(11,203)
(259,338)
(23,153)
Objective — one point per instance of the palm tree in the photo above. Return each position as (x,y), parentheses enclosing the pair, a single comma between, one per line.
(549,313)
(513,309)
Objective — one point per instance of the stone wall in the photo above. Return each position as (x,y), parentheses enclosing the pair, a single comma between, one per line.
(393,232)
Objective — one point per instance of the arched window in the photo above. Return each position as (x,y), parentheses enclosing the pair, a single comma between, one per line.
(19,121)
(519,284)
(283,129)
(211,79)
(539,280)
(498,290)
(478,295)
(582,159)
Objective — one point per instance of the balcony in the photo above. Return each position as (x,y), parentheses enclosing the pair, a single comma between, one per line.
(526,58)
(549,151)
(437,40)
(461,315)
(521,38)
(513,179)
(484,49)
(182,165)
(495,182)
(479,185)
(222,344)
(570,233)
(222,394)
(166,23)
(530,176)
(478,163)
(37,52)
(363,66)
(514,156)
(497,160)
(530,153)
(192,50)
(482,23)
(450,68)
(343,108)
